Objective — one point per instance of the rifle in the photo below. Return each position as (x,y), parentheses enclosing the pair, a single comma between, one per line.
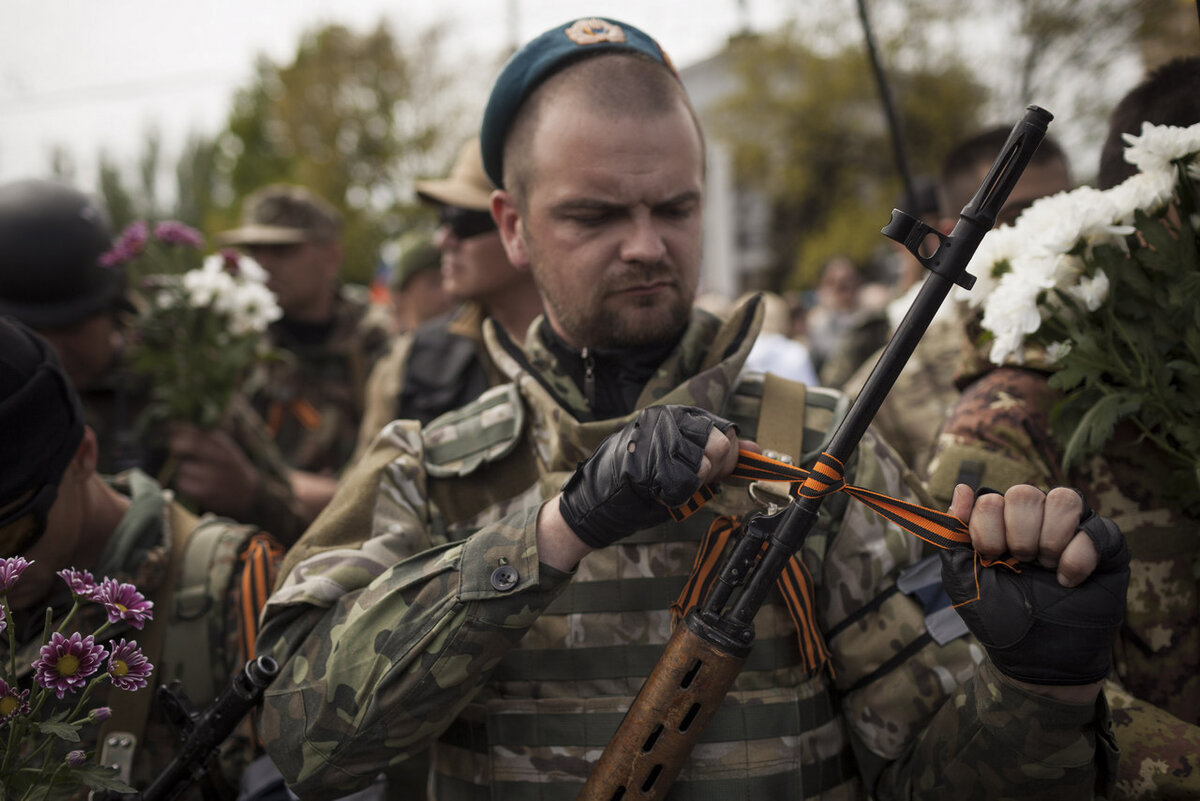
(705,654)
(202,733)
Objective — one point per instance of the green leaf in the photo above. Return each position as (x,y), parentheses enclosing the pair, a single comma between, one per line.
(102,777)
(1096,426)
(63,731)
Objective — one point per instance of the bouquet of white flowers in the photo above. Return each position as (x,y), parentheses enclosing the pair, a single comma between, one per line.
(42,755)
(199,334)
(1103,288)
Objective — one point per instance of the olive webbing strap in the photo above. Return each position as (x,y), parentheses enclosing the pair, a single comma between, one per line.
(128,720)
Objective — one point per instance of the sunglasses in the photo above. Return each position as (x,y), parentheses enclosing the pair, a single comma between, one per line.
(465,223)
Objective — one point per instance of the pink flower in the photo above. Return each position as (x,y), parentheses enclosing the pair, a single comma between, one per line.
(130,245)
(173,232)
(81,582)
(123,602)
(67,662)
(128,667)
(11,570)
(13,702)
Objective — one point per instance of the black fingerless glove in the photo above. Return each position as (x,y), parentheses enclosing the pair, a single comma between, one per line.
(638,474)
(1036,630)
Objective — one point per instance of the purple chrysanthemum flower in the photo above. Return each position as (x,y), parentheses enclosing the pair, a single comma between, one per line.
(123,602)
(174,232)
(67,662)
(11,569)
(76,759)
(81,582)
(128,667)
(3,621)
(130,244)
(100,714)
(13,702)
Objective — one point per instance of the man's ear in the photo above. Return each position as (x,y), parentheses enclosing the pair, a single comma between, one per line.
(509,222)
(87,455)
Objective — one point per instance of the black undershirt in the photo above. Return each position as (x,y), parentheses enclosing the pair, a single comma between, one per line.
(611,380)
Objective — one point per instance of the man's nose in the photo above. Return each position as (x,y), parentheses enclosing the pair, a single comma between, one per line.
(443,238)
(644,244)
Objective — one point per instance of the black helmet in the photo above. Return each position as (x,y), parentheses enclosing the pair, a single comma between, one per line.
(51,240)
(41,426)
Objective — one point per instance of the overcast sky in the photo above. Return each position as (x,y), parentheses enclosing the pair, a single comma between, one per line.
(92,74)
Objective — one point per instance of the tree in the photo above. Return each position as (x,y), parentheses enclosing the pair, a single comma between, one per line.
(808,128)
(354,117)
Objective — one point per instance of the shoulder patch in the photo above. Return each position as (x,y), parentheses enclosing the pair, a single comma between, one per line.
(486,429)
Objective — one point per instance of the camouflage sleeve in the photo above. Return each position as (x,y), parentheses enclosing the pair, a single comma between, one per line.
(925,710)
(998,435)
(379,652)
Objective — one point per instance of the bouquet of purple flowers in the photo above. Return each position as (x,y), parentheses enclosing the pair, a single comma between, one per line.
(44,705)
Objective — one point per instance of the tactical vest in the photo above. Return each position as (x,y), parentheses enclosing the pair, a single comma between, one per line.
(554,701)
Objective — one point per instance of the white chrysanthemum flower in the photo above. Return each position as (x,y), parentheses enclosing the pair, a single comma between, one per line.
(252,270)
(989,263)
(253,308)
(1159,145)
(1091,292)
(1056,351)
(1148,192)
(205,287)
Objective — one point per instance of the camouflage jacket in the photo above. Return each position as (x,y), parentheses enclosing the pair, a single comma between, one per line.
(998,435)
(453,368)
(913,411)
(312,396)
(141,552)
(415,614)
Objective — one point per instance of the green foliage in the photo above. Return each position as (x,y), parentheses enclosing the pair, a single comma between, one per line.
(1136,360)
(355,118)
(808,128)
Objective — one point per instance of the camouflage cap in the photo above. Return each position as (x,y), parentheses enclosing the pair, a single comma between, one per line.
(546,55)
(284,214)
(467,186)
(417,255)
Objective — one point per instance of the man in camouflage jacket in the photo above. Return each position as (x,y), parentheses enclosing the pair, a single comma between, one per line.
(129,529)
(999,434)
(446,599)
(327,341)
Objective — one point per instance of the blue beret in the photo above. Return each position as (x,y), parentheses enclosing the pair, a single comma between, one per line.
(538,60)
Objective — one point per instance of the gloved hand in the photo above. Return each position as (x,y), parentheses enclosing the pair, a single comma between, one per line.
(1035,629)
(638,473)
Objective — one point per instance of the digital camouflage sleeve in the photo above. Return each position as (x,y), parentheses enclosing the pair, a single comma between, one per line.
(999,434)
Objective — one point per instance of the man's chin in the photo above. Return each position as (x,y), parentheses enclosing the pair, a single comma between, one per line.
(646,325)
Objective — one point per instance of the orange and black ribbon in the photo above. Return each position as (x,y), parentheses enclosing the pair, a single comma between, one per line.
(827,476)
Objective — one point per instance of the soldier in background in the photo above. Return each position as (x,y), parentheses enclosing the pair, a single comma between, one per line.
(928,387)
(312,397)
(52,237)
(496,584)
(999,434)
(444,364)
(57,512)
(415,285)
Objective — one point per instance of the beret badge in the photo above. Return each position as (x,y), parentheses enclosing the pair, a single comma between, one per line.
(593,30)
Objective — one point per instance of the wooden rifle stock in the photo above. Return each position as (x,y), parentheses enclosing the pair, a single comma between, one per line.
(704,656)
